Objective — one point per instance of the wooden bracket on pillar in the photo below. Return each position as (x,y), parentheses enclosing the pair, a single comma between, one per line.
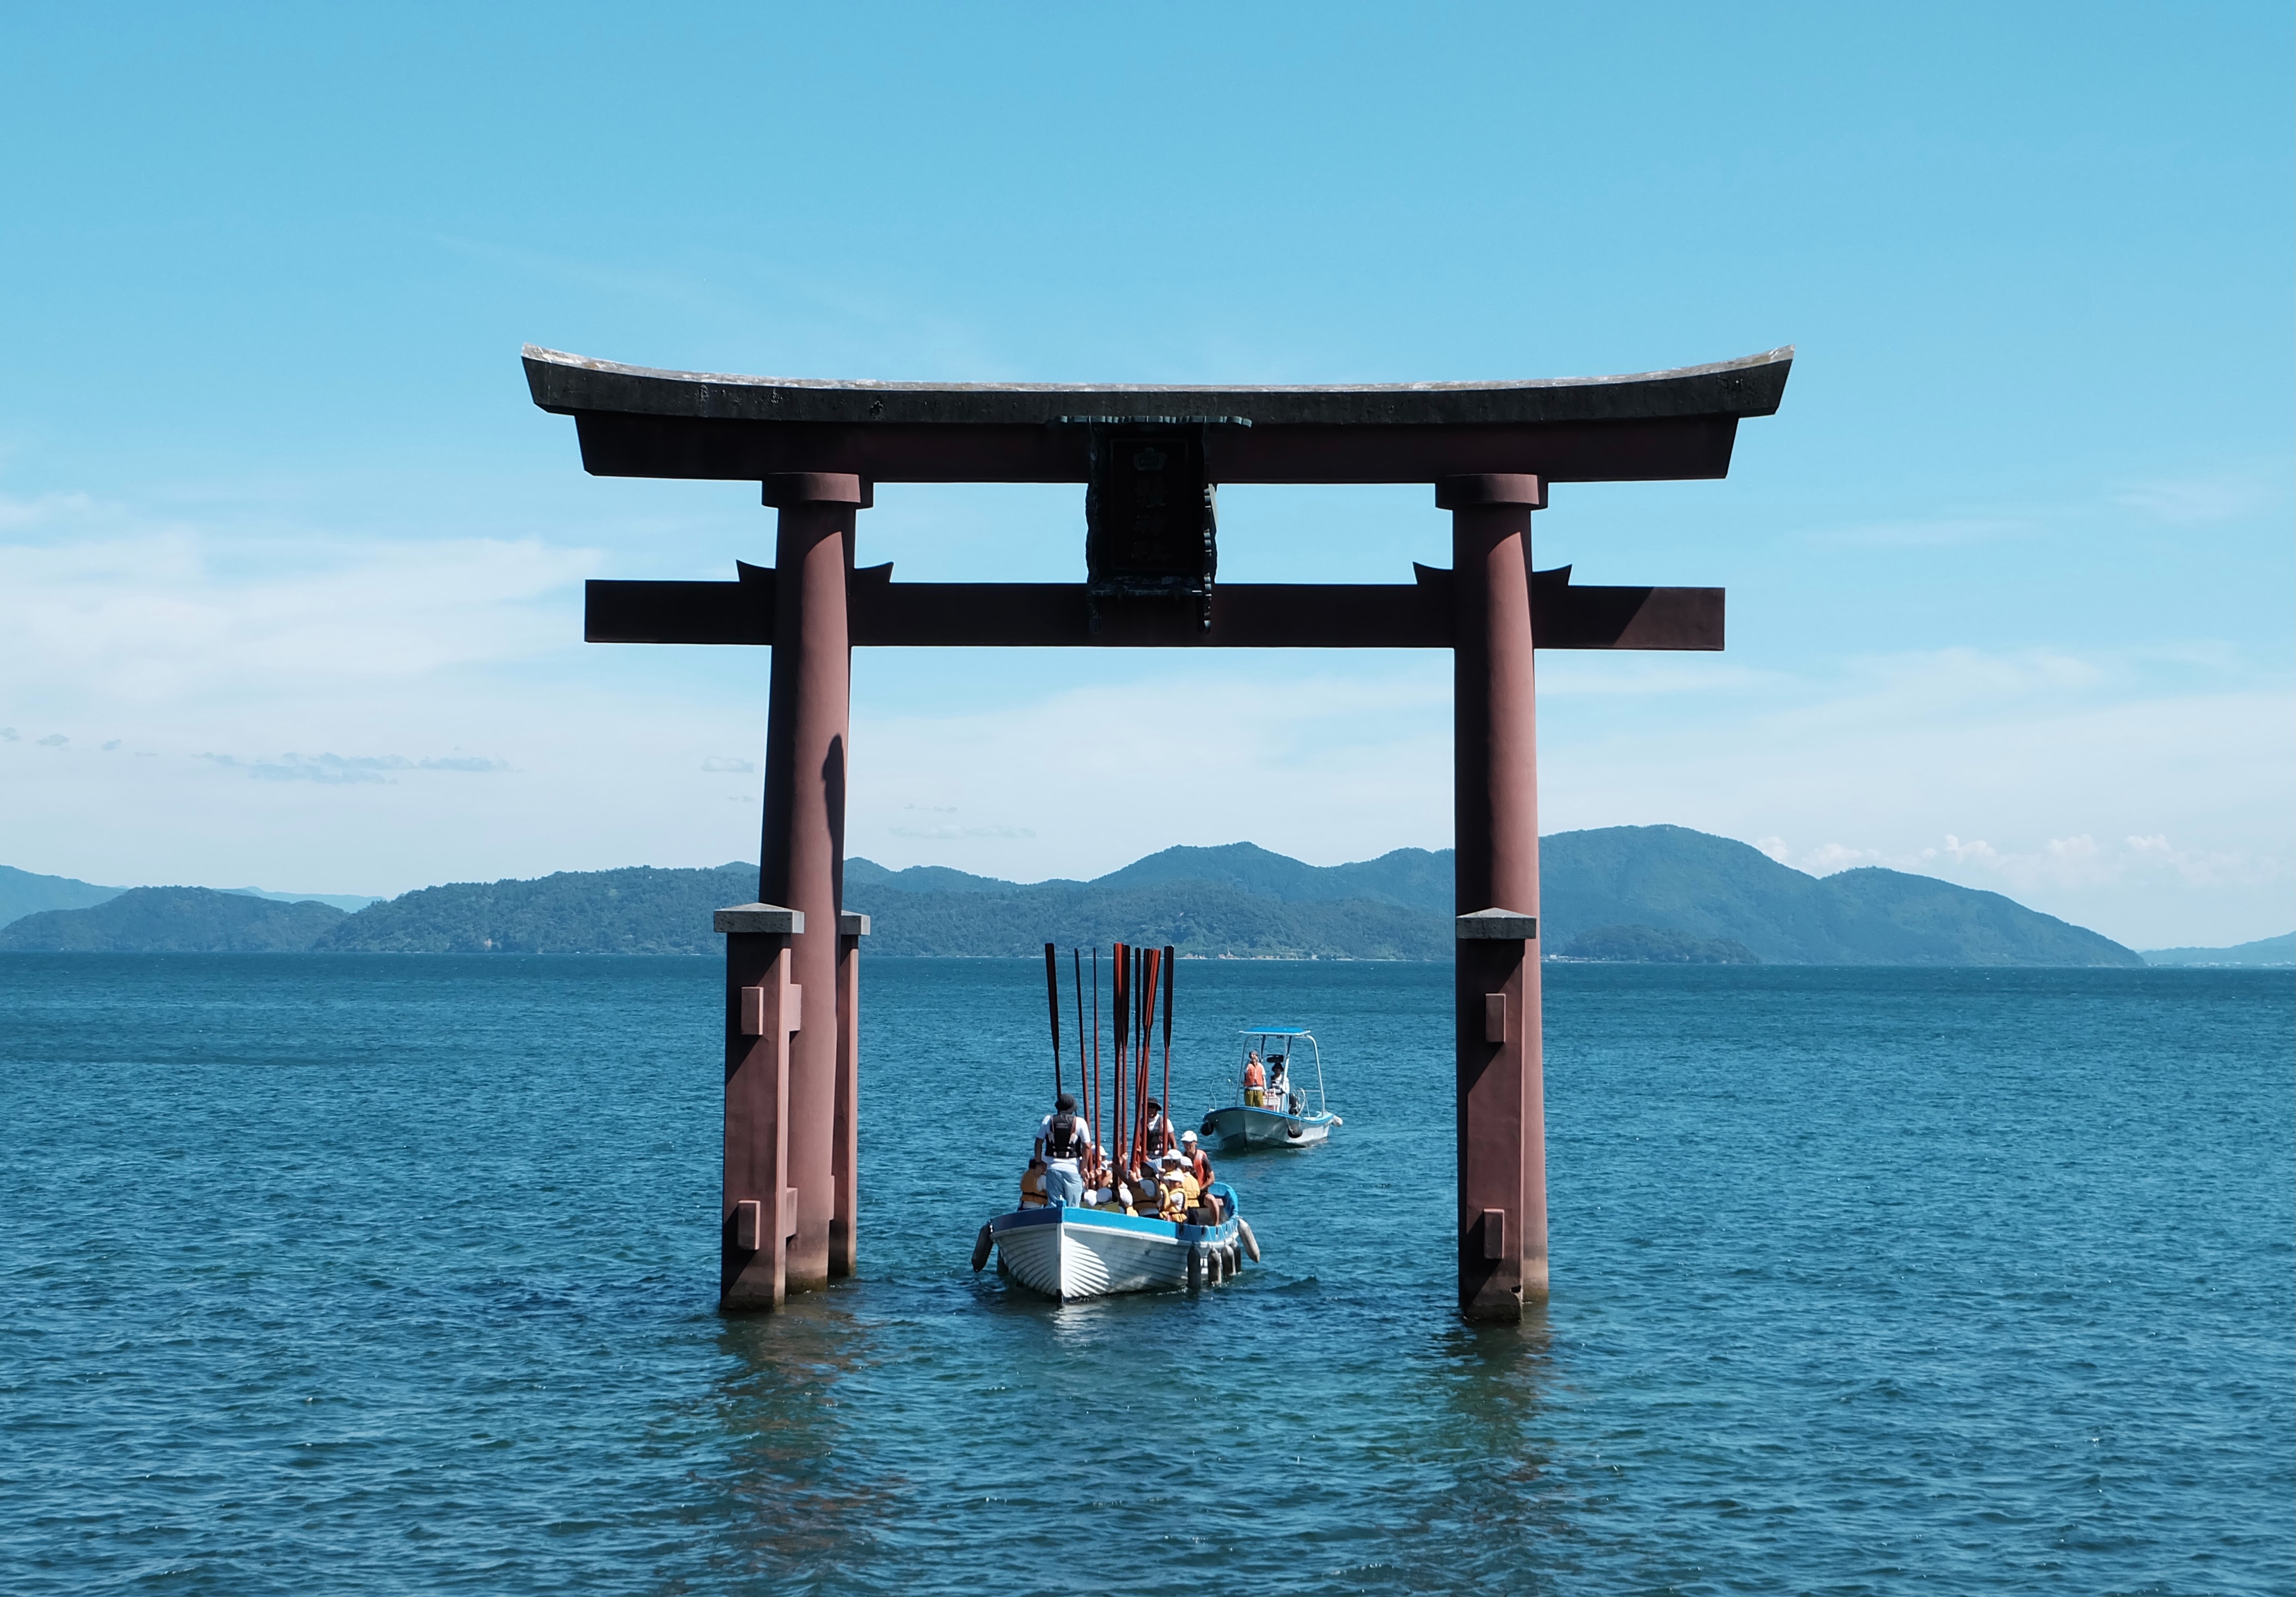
(1491,488)
(758,1207)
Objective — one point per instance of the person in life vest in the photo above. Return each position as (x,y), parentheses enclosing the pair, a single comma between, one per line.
(1255,1080)
(1154,1133)
(1172,1198)
(1061,1143)
(1032,1184)
(1200,1169)
(1195,1207)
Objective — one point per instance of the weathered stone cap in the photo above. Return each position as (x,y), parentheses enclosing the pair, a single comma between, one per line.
(850,925)
(1498,925)
(758,917)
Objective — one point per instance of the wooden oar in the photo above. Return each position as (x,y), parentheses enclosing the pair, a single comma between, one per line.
(1119,1005)
(1052,998)
(1076,964)
(1095,1044)
(1147,1000)
(1171,976)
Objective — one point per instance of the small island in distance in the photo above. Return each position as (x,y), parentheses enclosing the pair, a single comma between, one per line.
(1663,895)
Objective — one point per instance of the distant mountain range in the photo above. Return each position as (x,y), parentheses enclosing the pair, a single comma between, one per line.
(23,893)
(2265,951)
(1648,893)
(176,921)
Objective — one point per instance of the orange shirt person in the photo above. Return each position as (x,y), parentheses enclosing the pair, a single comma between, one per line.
(1255,1081)
(1200,1171)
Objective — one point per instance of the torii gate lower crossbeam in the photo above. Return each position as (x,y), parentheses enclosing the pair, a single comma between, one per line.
(789,1217)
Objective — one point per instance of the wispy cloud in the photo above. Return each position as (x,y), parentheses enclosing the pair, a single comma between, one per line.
(2076,862)
(951,832)
(341,769)
(719,762)
(1938,532)
(2196,501)
(18,515)
(124,607)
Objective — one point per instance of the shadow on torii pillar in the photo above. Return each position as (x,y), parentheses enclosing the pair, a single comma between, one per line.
(1150,458)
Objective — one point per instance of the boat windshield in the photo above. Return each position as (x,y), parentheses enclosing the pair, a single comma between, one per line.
(1292,1062)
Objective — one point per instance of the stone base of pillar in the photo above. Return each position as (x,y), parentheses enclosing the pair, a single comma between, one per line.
(1501,1130)
(762,1006)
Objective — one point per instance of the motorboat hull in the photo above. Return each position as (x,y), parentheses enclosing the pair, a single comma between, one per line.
(1071,1254)
(1239,1127)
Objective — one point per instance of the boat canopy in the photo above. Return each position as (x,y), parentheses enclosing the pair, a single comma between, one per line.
(1293,1036)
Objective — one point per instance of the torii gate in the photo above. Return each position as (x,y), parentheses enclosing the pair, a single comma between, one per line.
(1151,457)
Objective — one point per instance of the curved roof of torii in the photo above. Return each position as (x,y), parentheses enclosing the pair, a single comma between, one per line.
(637,422)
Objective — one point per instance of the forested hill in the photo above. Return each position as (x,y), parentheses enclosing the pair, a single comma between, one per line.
(23,893)
(637,910)
(2280,951)
(1676,880)
(175,920)
(1629,893)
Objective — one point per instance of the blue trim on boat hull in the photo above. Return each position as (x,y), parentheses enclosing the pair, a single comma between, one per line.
(1075,1253)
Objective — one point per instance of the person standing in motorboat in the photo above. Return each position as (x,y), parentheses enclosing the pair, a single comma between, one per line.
(1255,1080)
(1061,1143)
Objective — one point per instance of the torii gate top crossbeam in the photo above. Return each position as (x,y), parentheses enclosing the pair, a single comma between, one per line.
(635,421)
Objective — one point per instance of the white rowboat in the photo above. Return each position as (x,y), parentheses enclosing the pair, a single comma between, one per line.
(1071,1254)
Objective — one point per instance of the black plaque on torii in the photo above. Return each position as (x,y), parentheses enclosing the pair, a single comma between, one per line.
(1151,458)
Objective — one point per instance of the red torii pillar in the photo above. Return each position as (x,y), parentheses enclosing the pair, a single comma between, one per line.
(809,1234)
(1502,1120)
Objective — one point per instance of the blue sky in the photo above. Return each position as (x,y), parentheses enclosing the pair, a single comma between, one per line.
(293,568)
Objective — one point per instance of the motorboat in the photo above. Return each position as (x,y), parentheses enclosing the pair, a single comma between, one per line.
(1281,1113)
(1069,1253)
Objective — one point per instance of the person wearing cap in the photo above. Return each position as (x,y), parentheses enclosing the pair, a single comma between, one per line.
(1194,1206)
(1171,1191)
(1061,1143)
(1255,1080)
(1200,1169)
(1153,1130)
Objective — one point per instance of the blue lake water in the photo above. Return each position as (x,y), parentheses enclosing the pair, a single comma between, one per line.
(375,1274)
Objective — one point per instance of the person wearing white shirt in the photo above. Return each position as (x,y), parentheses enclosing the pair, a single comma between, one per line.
(1061,1142)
